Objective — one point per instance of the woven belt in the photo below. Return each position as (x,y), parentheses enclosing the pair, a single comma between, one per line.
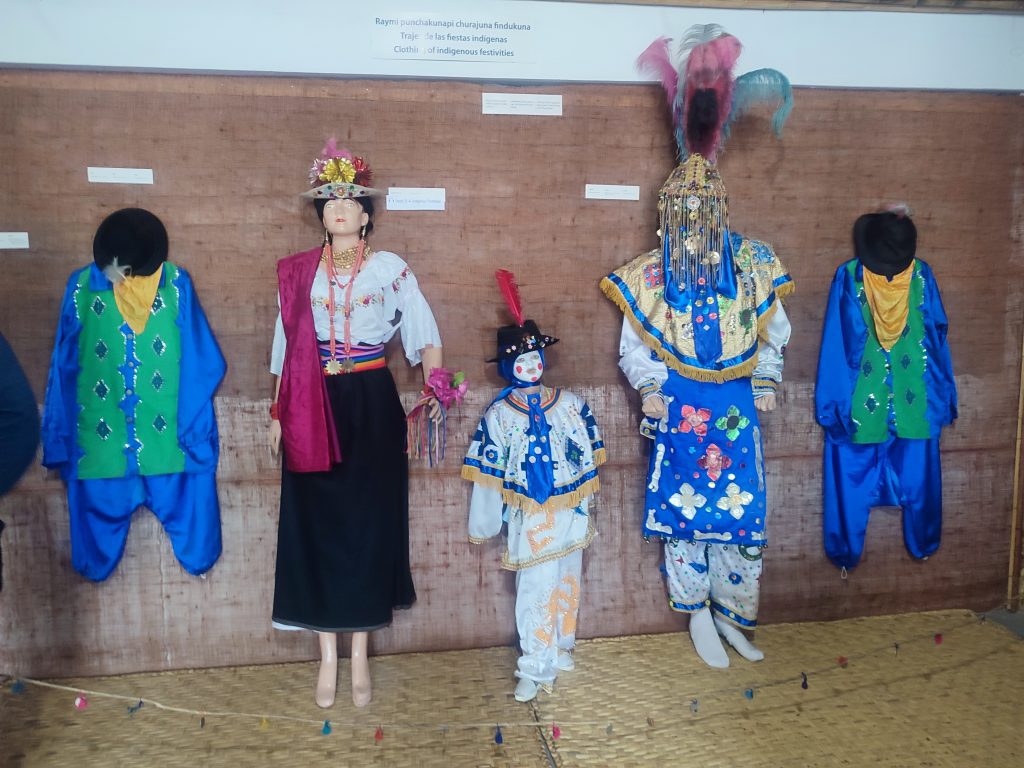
(361,358)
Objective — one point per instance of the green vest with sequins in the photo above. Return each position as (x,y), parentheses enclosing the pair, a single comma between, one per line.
(128,385)
(890,396)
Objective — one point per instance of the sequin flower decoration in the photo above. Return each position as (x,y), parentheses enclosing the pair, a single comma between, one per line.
(336,165)
(732,422)
(734,500)
(694,419)
(713,462)
(688,500)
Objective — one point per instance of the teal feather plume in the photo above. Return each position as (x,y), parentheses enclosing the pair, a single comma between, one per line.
(759,87)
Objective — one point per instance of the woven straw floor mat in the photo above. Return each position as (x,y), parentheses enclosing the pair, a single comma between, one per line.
(955,703)
(415,695)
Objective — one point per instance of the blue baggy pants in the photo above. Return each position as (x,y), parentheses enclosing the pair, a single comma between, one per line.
(101,512)
(900,472)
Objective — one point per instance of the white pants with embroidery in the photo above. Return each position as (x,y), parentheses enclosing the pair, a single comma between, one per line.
(725,577)
(547,603)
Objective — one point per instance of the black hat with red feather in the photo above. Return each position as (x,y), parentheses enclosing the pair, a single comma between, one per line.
(524,336)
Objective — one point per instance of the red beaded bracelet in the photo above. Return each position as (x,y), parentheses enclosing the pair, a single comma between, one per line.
(274,412)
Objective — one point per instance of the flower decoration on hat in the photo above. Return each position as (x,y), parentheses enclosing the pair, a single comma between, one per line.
(338,174)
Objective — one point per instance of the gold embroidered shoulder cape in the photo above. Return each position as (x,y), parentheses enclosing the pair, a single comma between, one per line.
(638,289)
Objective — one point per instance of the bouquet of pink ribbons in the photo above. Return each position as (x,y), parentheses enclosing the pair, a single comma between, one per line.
(427,422)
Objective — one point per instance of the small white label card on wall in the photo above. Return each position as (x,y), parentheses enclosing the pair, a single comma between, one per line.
(611,192)
(103,175)
(416,198)
(522,104)
(14,240)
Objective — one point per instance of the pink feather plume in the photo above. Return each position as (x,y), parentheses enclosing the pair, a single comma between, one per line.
(709,67)
(510,291)
(655,61)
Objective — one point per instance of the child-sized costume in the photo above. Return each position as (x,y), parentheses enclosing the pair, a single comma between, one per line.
(885,389)
(129,416)
(533,462)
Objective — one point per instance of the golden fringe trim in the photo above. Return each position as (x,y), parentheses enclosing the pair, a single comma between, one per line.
(525,503)
(600,457)
(740,371)
(785,290)
(508,565)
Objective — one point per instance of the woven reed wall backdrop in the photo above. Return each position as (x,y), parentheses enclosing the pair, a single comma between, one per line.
(229,155)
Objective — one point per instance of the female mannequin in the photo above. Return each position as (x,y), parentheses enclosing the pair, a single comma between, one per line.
(343,538)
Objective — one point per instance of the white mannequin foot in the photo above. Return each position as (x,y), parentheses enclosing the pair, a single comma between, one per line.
(327,679)
(705,639)
(526,690)
(734,637)
(326,683)
(362,692)
(565,662)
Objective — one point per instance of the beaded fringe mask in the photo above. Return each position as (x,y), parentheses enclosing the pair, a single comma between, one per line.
(694,213)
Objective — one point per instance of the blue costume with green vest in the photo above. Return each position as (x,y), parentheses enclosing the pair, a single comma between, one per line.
(129,420)
(882,412)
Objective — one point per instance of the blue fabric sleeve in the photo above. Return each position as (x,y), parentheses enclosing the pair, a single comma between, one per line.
(202,369)
(842,345)
(60,411)
(942,401)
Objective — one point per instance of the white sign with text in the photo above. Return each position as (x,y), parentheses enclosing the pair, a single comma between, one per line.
(416,198)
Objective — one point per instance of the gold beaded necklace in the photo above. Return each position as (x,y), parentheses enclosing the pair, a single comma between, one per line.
(342,259)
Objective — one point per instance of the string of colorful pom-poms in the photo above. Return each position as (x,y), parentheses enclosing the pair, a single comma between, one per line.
(547,728)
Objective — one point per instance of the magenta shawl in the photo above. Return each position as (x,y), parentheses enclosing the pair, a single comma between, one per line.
(307,424)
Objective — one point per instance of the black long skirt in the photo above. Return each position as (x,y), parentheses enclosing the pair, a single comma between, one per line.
(343,537)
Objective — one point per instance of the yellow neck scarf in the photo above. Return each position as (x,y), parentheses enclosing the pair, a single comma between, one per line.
(134,297)
(890,304)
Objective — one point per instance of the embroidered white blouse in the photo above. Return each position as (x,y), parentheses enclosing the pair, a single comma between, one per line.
(385,299)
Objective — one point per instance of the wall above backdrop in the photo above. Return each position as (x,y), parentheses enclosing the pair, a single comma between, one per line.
(899,6)
(511,40)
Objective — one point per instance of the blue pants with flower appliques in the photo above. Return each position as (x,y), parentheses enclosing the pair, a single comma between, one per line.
(901,472)
(724,577)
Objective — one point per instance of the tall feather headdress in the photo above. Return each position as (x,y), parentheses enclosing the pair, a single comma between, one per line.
(704,95)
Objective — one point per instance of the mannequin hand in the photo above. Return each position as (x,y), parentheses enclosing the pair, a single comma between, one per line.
(275,436)
(765,402)
(435,409)
(654,407)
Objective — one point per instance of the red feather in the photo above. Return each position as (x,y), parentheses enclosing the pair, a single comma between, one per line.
(509,289)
